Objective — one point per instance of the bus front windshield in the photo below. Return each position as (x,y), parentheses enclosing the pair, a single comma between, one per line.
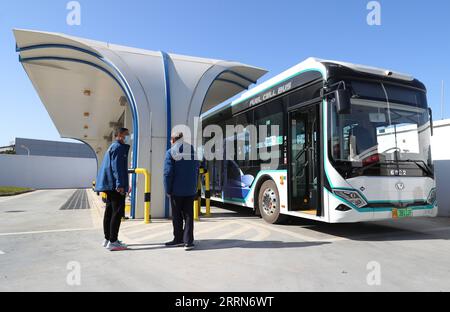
(387,132)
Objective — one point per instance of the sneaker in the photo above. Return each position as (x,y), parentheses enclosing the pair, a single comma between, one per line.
(174,244)
(117,246)
(189,247)
(106,242)
(122,243)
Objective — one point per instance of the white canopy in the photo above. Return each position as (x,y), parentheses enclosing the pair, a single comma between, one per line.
(84,85)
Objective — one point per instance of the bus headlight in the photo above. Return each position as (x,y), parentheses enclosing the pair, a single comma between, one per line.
(351,196)
(432,197)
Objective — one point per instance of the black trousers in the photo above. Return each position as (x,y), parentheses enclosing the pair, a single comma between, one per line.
(115,210)
(183,212)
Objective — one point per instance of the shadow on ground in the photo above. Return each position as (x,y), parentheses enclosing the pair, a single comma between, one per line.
(390,230)
(215,244)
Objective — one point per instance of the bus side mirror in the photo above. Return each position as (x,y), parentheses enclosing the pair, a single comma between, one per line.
(342,100)
(430,112)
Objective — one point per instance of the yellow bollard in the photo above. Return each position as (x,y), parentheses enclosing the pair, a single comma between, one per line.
(104,197)
(198,200)
(148,186)
(207,194)
(127,208)
(196,211)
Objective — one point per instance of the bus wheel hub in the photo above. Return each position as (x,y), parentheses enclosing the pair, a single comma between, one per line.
(269,201)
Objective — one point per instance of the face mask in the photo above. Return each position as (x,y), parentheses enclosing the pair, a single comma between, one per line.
(127,140)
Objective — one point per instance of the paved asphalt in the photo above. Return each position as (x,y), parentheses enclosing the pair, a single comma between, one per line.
(43,248)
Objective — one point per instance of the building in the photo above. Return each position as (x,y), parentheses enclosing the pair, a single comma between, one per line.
(40,164)
(8,149)
(441,159)
(30,147)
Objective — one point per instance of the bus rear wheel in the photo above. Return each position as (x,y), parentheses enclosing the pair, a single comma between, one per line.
(269,203)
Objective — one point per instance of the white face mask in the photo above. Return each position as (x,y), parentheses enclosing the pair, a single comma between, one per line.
(127,140)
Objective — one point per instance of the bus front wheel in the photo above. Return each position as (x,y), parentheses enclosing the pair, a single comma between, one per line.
(269,203)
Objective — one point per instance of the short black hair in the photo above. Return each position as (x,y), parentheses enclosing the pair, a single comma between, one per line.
(177,136)
(119,131)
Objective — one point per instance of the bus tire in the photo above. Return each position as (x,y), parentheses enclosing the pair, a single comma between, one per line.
(269,203)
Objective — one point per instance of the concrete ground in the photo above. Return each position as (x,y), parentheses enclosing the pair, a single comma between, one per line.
(43,248)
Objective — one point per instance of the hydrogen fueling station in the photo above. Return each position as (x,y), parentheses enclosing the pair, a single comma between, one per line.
(322,163)
(89,88)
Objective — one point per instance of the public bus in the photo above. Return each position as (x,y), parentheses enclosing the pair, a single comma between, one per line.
(353,145)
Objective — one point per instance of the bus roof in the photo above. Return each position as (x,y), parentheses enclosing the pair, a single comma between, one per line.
(310,64)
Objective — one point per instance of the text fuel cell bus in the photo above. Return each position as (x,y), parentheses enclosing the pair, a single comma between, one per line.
(353,145)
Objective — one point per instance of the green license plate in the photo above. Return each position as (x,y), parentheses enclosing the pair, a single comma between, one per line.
(402,213)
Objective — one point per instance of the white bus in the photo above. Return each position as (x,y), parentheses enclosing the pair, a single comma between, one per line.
(353,145)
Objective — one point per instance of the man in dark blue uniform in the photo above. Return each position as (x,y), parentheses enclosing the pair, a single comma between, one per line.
(113,179)
(180,181)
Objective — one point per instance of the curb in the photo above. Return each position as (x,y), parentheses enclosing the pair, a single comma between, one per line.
(16,193)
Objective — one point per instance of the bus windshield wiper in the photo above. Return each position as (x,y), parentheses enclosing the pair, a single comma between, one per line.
(421,164)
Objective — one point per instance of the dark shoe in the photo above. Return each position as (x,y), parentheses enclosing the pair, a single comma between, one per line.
(174,244)
(189,247)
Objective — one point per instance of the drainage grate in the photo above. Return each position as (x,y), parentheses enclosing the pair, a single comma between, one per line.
(78,201)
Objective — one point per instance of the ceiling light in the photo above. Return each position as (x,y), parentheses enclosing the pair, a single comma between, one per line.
(123,101)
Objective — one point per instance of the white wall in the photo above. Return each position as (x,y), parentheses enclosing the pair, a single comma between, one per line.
(441,156)
(39,172)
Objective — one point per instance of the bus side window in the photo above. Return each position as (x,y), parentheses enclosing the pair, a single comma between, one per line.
(267,118)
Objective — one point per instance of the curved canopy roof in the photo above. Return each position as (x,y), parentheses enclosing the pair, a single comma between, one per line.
(83,95)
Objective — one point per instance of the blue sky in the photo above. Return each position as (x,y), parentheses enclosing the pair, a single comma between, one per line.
(414,38)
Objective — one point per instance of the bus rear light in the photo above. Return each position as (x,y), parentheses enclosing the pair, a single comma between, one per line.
(371,159)
(352,197)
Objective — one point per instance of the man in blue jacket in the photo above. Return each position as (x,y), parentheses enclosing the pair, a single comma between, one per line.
(113,179)
(180,181)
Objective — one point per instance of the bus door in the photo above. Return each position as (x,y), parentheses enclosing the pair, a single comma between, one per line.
(303,173)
